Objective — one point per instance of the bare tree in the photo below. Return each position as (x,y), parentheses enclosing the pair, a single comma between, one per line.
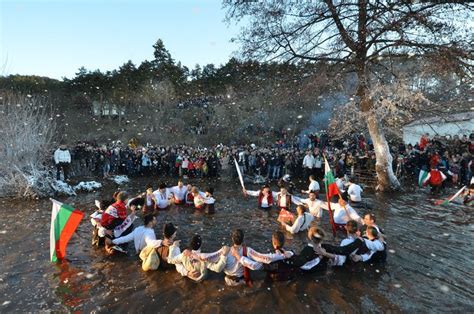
(394,106)
(25,139)
(355,36)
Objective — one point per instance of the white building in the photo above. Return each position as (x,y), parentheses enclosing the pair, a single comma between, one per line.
(105,109)
(456,124)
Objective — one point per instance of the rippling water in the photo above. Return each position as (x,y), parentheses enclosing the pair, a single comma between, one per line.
(429,269)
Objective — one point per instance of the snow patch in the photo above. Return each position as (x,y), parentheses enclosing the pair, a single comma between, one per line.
(120,179)
(63,188)
(88,186)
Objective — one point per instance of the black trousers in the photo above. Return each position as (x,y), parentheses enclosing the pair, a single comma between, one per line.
(65,167)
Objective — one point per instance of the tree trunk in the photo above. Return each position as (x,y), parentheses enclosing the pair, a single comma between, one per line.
(383,166)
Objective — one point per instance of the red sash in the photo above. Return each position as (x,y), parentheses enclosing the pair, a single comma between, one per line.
(247,278)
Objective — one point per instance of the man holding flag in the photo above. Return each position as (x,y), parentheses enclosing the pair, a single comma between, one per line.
(331,190)
(64,222)
(342,212)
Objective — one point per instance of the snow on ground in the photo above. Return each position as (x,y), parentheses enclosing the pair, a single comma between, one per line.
(63,188)
(87,186)
(120,179)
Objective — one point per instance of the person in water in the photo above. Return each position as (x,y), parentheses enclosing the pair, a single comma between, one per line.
(196,268)
(377,248)
(235,273)
(301,223)
(312,203)
(279,271)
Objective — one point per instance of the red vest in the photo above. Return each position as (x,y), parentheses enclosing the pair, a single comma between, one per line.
(189,198)
(117,210)
(247,278)
(269,199)
(435,177)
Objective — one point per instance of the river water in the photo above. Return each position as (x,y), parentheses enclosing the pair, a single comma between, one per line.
(429,269)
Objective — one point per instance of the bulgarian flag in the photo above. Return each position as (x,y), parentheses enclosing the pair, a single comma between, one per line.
(422,177)
(64,221)
(331,190)
(447,201)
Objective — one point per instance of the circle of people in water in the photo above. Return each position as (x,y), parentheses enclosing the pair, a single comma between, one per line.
(363,243)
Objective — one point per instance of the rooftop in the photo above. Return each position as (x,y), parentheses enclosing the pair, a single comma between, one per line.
(456,117)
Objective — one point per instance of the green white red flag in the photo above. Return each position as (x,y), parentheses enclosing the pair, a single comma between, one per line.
(447,201)
(422,177)
(331,190)
(64,221)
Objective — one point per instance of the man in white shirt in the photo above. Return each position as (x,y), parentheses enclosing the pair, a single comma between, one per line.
(377,248)
(369,221)
(235,272)
(190,259)
(341,183)
(312,203)
(62,159)
(351,229)
(266,198)
(163,197)
(342,213)
(301,223)
(141,236)
(354,191)
(179,193)
(257,261)
(313,186)
(308,163)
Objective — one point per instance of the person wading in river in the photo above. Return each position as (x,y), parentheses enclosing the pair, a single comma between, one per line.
(312,203)
(342,213)
(265,197)
(141,236)
(191,259)
(276,270)
(313,186)
(179,193)
(377,248)
(235,273)
(301,223)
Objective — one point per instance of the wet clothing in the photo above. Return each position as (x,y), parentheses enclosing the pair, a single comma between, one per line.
(314,207)
(141,237)
(264,201)
(114,215)
(354,192)
(179,194)
(301,223)
(193,263)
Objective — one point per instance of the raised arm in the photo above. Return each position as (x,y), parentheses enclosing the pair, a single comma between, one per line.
(297,200)
(253,193)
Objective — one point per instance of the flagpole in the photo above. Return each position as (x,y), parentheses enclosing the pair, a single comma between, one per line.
(241,179)
(448,200)
(331,217)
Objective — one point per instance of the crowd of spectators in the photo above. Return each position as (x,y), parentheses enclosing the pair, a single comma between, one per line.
(347,157)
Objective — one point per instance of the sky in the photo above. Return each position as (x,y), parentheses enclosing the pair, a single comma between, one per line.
(55,38)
